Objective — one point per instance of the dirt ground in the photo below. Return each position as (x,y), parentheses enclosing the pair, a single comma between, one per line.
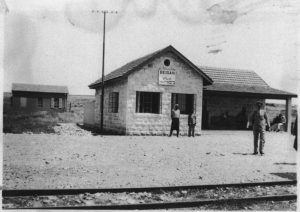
(39,161)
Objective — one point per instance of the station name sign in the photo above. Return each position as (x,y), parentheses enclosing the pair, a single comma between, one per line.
(166,76)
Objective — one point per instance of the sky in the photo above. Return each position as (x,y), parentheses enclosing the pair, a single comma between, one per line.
(59,42)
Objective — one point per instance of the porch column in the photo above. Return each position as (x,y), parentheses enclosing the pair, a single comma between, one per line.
(208,120)
(288,114)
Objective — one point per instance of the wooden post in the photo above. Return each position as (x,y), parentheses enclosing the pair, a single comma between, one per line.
(102,84)
(288,114)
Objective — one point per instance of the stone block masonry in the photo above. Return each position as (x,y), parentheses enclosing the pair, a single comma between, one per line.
(146,79)
(112,122)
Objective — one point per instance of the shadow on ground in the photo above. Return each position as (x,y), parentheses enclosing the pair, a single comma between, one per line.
(96,131)
(239,153)
(284,163)
(287,175)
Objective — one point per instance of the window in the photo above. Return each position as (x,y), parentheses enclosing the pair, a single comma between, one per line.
(40,102)
(56,102)
(23,101)
(186,102)
(167,62)
(113,102)
(148,102)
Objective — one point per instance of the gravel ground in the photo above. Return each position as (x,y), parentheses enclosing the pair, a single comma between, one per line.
(253,206)
(39,161)
(70,129)
(88,199)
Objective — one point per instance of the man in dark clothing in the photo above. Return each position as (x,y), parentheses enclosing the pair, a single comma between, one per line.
(295,133)
(192,124)
(175,114)
(259,121)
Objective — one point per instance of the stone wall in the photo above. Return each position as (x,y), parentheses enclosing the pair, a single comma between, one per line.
(112,122)
(89,113)
(218,105)
(146,79)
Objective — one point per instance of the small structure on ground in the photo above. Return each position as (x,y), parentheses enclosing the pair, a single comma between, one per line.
(33,97)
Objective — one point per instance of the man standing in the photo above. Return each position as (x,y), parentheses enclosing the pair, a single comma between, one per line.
(295,133)
(259,121)
(175,114)
(192,123)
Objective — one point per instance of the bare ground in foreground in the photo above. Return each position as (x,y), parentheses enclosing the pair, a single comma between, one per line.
(39,161)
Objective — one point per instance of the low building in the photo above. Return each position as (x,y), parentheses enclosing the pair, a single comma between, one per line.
(139,96)
(32,97)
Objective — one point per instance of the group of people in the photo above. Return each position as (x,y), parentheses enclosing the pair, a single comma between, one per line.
(278,123)
(259,121)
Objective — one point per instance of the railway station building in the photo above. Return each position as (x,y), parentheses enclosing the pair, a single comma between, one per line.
(140,95)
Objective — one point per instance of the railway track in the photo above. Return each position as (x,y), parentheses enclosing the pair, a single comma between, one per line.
(150,197)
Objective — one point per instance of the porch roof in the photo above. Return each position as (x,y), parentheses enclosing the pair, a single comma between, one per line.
(39,88)
(261,91)
(241,82)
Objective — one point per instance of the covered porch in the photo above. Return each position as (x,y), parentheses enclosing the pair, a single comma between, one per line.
(228,106)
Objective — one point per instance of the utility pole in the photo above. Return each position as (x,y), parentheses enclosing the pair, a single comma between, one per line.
(104,12)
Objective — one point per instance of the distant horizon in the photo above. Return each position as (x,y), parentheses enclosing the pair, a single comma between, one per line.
(268,101)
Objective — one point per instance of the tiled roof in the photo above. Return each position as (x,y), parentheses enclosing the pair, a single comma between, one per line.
(240,81)
(233,76)
(127,68)
(39,88)
(119,72)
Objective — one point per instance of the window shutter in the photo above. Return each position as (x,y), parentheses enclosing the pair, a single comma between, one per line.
(23,101)
(110,105)
(160,103)
(117,102)
(52,103)
(137,102)
(60,103)
(195,103)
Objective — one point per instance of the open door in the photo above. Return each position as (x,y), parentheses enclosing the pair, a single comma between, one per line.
(205,116)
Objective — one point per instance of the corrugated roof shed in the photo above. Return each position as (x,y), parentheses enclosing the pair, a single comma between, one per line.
(39,88)
(133,65)
(240,82)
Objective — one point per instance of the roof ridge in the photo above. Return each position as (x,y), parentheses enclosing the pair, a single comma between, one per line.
(235,76)
(17,83)
(132,65)
(225,69)
(26,87)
